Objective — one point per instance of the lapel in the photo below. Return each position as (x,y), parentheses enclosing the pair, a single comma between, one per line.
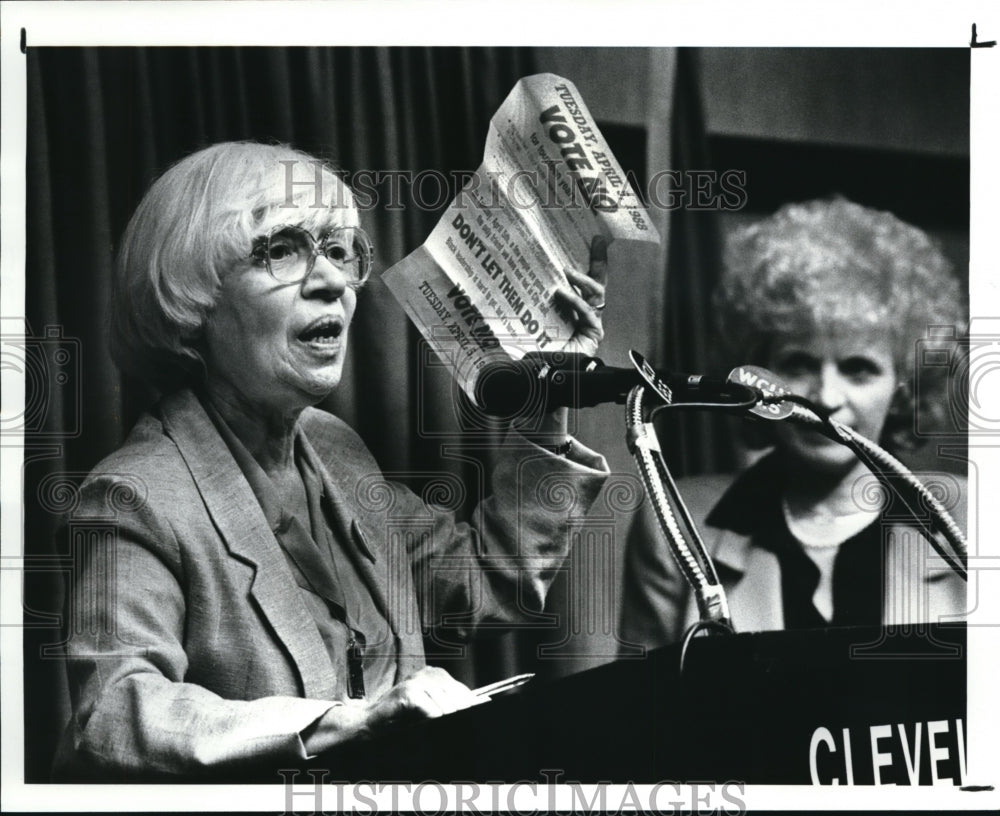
(750,575)
(247,536)
(388,581)
(751,578)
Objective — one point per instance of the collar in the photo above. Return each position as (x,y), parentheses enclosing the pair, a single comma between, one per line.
(747,504)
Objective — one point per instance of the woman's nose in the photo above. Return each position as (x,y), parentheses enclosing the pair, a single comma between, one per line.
(829,388)
(325,278)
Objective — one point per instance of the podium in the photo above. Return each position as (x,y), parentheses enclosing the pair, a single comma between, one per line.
(825,706)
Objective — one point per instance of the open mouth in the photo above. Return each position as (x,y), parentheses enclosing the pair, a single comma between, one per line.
(326,330)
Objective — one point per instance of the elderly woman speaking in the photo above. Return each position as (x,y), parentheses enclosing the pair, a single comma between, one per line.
(259,611)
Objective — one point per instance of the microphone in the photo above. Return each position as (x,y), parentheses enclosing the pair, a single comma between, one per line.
(767,384)
(542,381)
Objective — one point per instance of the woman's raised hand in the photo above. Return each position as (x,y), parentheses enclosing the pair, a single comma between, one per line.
(586,299)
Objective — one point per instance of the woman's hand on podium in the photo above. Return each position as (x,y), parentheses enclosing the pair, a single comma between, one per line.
(430,692)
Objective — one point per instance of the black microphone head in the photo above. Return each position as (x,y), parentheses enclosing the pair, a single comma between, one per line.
(509,389)
(535,384)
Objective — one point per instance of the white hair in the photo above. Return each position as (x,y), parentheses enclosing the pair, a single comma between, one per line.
(197,220)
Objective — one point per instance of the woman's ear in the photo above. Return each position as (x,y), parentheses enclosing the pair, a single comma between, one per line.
(902,402)
(897,433)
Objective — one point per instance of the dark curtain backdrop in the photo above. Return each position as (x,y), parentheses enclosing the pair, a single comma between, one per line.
(102,124)
(694,442)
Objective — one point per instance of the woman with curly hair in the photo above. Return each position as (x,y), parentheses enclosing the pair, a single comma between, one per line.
(832,297)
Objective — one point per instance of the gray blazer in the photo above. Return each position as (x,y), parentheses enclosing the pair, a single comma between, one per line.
(658,605)
(203,653)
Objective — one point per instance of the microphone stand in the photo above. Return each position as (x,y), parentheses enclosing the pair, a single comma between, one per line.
(693,559)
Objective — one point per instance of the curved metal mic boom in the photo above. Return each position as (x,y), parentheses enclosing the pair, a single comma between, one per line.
(778,403)
(884,466)
(692,558)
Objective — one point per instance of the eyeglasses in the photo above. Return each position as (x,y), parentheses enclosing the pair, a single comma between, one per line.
(289,253)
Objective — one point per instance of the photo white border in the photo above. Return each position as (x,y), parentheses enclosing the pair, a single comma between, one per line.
(632,23)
